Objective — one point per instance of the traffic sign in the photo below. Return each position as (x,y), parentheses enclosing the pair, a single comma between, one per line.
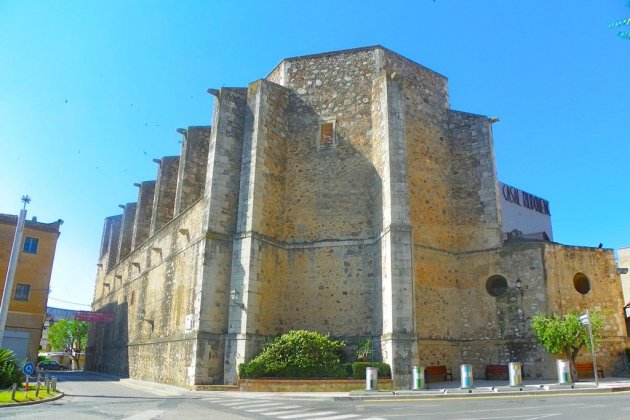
(28,368)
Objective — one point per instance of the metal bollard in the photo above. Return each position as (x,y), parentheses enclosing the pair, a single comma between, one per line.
(13,389)
(37,388)
(466,373)
(564,371)
(371,379)
(54,383)
(516,374)
(47,386)
(417,378)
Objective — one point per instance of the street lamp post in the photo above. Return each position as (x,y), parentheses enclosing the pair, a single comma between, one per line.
(13,260)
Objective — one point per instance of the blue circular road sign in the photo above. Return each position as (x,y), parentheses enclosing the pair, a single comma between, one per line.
(28,368)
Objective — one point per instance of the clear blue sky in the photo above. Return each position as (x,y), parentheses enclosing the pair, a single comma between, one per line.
(92,91)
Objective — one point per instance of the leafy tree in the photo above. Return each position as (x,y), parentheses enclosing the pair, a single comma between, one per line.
(70,336)
(10,372)
(564,335)
(298,353)
(622,22)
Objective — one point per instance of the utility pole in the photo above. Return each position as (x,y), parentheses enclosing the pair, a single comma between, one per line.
(13,260)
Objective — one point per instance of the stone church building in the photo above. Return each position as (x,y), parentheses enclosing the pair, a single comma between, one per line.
(341,194)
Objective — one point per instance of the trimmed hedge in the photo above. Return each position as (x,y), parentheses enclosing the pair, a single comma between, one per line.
(383,369)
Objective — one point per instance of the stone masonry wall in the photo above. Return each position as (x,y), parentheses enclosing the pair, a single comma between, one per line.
(152,304)
(562,263)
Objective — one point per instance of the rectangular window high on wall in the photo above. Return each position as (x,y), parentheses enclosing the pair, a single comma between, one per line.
(22,292)
(326,134)
(31,245)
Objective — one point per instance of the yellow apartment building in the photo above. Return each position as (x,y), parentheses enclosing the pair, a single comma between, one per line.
(29,296)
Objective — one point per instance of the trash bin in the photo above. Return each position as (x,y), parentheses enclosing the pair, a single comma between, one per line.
(516,374)
(417,378)
(564,371)
(371,379)
(466,373)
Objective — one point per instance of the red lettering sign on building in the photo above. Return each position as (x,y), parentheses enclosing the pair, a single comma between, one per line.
(94,316)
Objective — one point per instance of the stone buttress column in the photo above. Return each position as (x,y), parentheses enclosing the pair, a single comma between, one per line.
(126,230)
(193,162)
(165,187)
(220,195)
(113,240)
(144,210)
(398,340)
(244,337)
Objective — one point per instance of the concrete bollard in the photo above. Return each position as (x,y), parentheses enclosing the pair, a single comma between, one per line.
(13,389)
(466,374)
(37,387)
(516,374)
(417,378)
(371,379)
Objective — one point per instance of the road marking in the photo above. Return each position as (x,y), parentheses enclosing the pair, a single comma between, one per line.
(527,417)
(234,402)
(286,408)
(255,405)
(146,415)
(275,413)
(342,416)
(310,414)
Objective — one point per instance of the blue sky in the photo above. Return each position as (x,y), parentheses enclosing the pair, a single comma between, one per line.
(92,91)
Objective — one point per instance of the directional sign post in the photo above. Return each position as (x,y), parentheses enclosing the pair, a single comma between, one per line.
(585,319)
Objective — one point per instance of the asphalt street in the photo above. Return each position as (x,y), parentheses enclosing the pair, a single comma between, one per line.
(90,396)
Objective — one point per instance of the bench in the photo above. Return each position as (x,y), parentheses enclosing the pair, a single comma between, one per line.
(588,368)
(440,371)
(497,370)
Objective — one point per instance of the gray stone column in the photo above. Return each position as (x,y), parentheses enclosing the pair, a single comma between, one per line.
(398,340)
(191,176)
(113,240)
(220,195)
(164,199)
(144,210)
(126,230)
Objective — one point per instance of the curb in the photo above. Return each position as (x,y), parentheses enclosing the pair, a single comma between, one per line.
(45,400)
(474,393)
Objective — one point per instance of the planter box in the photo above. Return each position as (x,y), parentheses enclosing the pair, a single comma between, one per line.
(308,385)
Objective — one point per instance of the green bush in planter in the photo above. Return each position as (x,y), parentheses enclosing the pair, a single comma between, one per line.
(297,354)
(383,369)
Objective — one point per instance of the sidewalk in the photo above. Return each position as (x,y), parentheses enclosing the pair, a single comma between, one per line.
(449,389)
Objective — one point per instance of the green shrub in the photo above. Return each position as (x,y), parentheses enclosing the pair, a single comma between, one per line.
(358,369)
(297,354)
(10,372)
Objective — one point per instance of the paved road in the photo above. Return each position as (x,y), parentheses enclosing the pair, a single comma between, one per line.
(93,397)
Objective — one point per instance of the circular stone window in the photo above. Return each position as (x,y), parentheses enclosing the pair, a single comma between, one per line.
(581,283)
(496,285)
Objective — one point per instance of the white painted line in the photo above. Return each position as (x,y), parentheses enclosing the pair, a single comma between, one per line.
(275,413)
(146,415)
(238,402)
(256,405)
(543,416)
(286,408)
(310,414)
(342,416)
